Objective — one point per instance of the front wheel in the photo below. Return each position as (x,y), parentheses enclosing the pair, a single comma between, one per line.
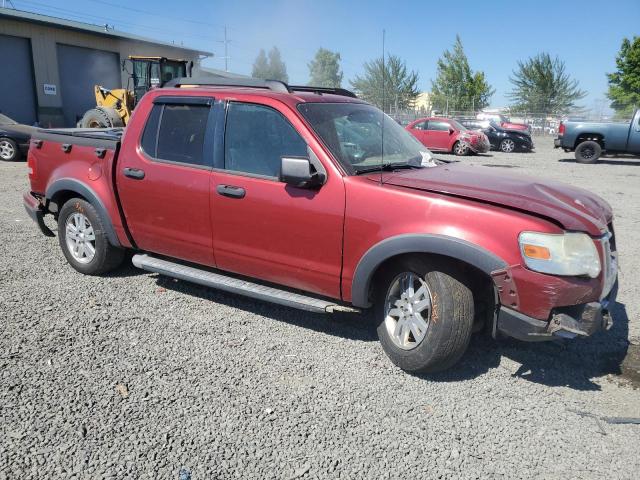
(425,315)
(460,148)
(588,152)
(84,241)
(9,150)
(507,145)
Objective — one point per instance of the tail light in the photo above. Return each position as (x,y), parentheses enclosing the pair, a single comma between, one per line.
(561,129)
(31,165)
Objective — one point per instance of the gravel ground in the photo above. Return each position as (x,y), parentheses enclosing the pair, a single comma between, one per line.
(138,376)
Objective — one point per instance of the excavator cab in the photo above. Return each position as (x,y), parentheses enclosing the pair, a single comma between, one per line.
(114,107)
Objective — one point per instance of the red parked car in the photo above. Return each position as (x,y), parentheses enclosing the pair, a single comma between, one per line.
(311,198)
(447,135)
(503,122)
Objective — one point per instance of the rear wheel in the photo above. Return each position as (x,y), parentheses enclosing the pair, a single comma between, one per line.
(84,241)
(588,152)
(425,315)
(9,150)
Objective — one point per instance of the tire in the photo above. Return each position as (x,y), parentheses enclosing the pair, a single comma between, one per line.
(9,151)
(94,255)
(99,118)
(449,320)
(507,145)
(460,149)
(588,152)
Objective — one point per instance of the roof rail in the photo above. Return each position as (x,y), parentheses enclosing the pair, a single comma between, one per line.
(273,85)
(320,90)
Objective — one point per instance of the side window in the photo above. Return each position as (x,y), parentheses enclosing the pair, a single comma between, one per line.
(176,133)
(257,137)
(421,125)
(439,126)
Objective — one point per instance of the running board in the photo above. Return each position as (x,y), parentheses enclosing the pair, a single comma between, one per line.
(236,285)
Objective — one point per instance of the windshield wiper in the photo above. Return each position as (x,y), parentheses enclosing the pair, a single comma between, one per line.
(387,167)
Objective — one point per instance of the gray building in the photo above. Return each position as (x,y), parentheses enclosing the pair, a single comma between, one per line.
(50,65)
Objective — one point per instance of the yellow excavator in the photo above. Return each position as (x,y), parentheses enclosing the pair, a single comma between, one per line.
(114,107)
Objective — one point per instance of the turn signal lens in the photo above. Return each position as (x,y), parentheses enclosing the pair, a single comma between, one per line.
(535,251)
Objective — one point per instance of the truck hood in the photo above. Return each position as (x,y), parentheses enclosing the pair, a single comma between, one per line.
(573,208)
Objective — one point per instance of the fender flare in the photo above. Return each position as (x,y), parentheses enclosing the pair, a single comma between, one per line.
(453,247)
(72,185)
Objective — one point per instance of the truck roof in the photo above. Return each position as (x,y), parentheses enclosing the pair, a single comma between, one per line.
(275,89)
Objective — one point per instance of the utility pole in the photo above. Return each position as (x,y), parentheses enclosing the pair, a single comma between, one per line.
(226,49)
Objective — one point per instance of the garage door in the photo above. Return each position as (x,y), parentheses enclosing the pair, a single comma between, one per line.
(17,92)
(80,69)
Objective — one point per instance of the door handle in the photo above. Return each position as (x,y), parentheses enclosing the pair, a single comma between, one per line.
(231,191)
(134,173)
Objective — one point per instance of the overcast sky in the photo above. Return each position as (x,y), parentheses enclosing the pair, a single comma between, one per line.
(585,34)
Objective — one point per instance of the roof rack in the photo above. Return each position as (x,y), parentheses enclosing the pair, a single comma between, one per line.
(273,85)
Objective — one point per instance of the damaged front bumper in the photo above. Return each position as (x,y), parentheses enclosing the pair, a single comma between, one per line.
(565,322)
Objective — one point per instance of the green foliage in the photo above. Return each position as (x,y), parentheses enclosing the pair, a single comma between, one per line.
(456,86)
(624,83)
(270,66)
(324,69)
(542,85)
(400,85)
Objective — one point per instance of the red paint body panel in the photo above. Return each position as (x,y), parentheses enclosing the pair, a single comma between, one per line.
(313,239)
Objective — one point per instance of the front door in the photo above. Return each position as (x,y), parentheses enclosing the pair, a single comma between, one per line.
(265,228)
(164,180)
(437,135)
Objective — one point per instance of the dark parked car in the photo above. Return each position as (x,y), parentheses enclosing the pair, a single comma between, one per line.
(500,138)
(14,139)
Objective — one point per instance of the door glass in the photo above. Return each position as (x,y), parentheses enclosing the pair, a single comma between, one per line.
(181,133)
(256,139)
(439,126)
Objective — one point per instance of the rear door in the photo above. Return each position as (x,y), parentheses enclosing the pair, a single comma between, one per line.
(164,178)
(438,135)
(264,228)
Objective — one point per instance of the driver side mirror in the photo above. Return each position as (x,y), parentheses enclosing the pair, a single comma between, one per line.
(298,172)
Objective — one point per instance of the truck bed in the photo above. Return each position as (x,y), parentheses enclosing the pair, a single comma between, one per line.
(96,137)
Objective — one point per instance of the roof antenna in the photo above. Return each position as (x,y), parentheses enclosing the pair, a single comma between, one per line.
(384,72)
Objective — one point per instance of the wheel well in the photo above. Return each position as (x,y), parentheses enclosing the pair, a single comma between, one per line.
(60,198)
(480,283)
(596,137)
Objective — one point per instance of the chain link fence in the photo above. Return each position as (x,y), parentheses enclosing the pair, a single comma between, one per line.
(541,124)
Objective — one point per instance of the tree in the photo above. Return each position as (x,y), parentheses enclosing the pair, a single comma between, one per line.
(324,69)
(456,86)
(400,85)
(624,83)
(542,85)
(261,66)
(270,66)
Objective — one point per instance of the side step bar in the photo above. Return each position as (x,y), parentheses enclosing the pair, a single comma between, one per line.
(236,285)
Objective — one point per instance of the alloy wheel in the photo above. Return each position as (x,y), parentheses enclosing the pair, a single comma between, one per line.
(80,238)
(507,145)
(408,307)
(6,150)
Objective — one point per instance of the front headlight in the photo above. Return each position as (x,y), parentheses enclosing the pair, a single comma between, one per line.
(572,254)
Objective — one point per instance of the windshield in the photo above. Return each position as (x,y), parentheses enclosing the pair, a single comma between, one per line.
(4,120)
(457,125)
(354,133)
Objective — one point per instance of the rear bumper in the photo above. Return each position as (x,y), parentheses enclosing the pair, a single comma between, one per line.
(566,322)
(34,208)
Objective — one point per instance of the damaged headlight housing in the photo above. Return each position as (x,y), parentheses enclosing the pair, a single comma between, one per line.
(571,253)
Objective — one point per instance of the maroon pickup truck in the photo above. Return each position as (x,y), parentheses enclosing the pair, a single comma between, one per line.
(311,198)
